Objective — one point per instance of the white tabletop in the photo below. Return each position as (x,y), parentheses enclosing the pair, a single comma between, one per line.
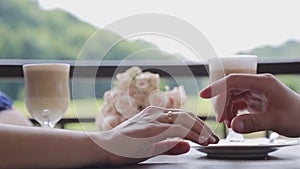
(283,158)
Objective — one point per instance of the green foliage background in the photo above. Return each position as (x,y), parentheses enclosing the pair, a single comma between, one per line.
(290,49)
(29,32)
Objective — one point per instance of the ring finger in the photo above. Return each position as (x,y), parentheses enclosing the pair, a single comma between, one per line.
(188,120)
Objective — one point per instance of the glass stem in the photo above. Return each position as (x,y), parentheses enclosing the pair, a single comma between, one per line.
(232,136)
(46,120)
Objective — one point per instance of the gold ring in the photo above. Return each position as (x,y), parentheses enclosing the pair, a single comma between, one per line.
(170,117)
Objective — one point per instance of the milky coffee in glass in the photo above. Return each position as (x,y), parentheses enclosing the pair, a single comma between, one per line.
(47,91)
(223,66)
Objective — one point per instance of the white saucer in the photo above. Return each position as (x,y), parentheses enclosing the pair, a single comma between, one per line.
(248,149)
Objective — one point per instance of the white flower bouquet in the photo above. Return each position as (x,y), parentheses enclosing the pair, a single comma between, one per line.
(133,91)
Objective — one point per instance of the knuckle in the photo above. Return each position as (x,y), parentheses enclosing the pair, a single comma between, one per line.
(230,78)
(268,77)
(184,115)
(191,114)
(165,127)
(149,108)
(176,128)
(154,129)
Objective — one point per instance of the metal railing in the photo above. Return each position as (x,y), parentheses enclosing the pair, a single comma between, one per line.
(13,69)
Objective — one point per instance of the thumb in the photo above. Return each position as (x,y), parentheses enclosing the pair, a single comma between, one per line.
(171,147)
(248,123)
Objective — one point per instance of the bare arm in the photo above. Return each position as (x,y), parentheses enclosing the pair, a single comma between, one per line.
(14,116)
(28,147)
(10,115)
(139,138)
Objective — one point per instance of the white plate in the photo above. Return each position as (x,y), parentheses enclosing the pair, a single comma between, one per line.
(248,149)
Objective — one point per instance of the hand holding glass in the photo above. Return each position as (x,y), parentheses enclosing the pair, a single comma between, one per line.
(47,94)
(223,66)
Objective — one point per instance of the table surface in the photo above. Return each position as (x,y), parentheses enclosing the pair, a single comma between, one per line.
(283,158)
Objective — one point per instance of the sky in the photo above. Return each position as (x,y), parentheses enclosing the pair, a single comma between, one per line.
(230,26)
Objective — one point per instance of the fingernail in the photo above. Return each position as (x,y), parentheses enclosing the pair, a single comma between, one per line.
(202,139)
(213,139)
(202,93)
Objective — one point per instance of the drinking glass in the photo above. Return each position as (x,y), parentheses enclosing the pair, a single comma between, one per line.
(47,94)
(223,66)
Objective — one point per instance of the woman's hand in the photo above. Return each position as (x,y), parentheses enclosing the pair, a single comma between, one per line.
(272,105)
(152,132)
(143,136)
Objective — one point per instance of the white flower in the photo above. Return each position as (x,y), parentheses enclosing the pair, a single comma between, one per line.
(146,82)
(109,117)
(108,97)
(154,80)
(123,81)
(142,85)
(133,71)
(133,91)
(177,97)
(158,98)
(140,99)
(125,104)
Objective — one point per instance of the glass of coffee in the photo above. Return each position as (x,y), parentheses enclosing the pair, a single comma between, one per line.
(223,66)
(47,93)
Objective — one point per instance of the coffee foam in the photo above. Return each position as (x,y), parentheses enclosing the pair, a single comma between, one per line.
(233,62)
(47,67)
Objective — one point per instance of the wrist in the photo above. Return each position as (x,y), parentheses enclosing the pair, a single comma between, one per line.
(84,150)
(97,141)
(109,152)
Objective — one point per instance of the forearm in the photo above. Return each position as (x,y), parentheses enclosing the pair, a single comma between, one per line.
(32,147)
(13,116)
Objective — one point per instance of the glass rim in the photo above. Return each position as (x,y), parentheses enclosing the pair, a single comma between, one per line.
(45,64)
(233,56)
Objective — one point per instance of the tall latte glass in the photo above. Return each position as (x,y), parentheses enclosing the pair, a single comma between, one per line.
(223,66)
(47,94)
